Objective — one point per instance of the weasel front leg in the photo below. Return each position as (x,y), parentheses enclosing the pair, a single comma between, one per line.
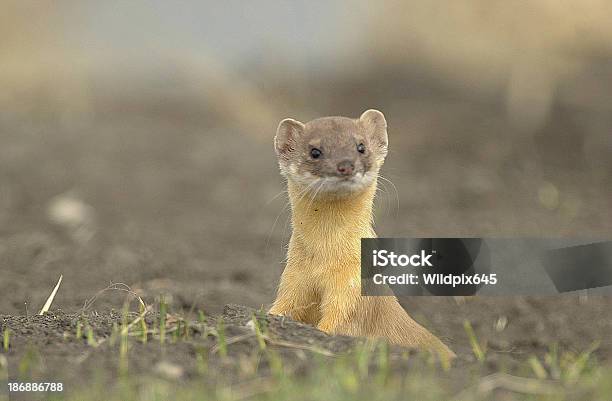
(295,299)
(338,308)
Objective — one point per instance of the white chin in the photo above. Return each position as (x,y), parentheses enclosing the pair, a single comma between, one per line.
(343,186)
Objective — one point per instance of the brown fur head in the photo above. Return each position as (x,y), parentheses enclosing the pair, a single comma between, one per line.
(332,155)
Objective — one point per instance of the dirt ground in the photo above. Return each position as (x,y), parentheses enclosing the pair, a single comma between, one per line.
(45,348)
(166,196)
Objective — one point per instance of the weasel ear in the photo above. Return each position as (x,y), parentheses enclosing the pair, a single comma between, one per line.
(376,126)
(286,136)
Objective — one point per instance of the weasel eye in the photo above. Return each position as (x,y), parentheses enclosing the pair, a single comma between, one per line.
(361,148)
(315,153)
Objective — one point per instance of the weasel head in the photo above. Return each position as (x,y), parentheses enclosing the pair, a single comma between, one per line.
(332,155)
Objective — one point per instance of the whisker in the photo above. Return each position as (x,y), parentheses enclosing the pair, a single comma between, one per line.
(386,196)
(313,197)
(276,196)
(276,221)
(305,191)
(394,189)
(302,192)
(385,191)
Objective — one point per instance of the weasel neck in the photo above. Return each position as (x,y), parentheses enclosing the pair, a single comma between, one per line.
(331,224)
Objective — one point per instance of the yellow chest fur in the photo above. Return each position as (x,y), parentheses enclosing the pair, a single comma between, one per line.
(326,240)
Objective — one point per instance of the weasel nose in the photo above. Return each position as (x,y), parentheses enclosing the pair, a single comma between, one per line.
(346,167)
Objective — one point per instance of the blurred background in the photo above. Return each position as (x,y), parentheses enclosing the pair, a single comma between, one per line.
(136,137)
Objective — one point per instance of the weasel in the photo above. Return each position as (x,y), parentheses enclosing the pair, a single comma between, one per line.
(331,165)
